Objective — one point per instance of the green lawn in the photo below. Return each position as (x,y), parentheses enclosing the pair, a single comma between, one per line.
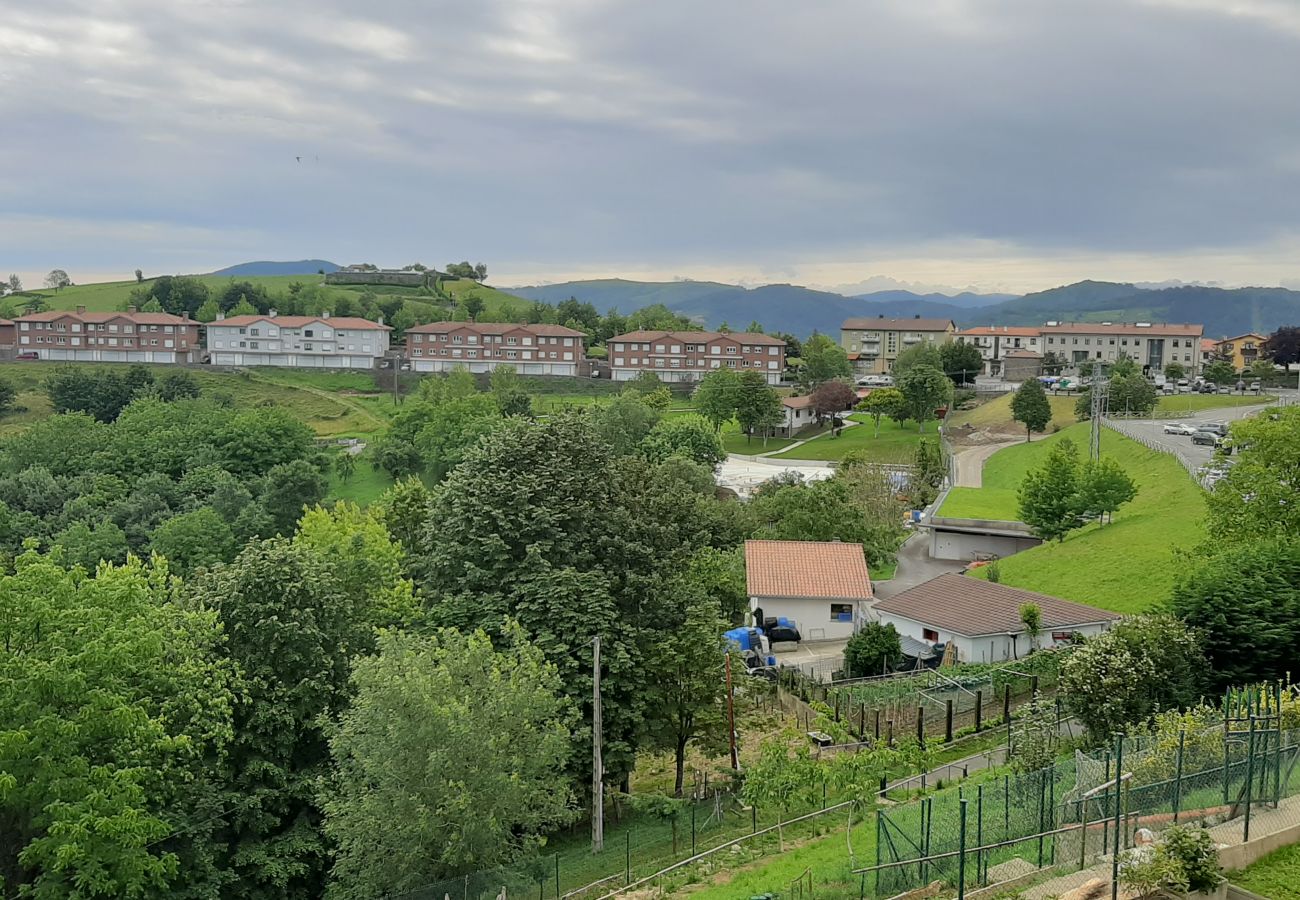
(1276,876)
(892,445)
(1128,565)
(996,415)
(363,488)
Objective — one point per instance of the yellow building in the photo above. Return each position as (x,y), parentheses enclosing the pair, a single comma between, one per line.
(874,344)
(1241,350)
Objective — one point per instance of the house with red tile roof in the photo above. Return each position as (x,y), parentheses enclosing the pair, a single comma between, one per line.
(996,342)
(482,346)
(309,342)
(982,619)
(824,586)
(678,356)
(131,336)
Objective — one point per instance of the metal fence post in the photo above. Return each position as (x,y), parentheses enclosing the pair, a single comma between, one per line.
(920,726)
(1178,773)
(1119,780)
(1105,808)
(947,721)
(961,853)
(1042,789)
(1250,779)
(980,859)
(557,875)
(979,711)
(627,857)
(1083,832)
(692,829)
(879,824)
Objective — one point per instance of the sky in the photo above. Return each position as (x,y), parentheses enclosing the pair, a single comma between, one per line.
(999,145)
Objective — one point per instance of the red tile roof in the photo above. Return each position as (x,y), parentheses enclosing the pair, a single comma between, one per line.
(886,323)
(352,322)
(806,569)
(98,318)
(797,402)
(695,337)
(993,330)
(1126,328)
(973,607)
(495,328)
(1209,345)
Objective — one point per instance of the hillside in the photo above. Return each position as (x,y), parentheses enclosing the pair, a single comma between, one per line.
(266,267)
(964,300)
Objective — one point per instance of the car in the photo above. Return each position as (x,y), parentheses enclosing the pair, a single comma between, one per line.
(1206,438)
(1254,386)
(28,354)
(1179,428)
(1219,428)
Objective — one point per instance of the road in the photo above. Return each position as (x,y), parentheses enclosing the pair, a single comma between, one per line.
(1181,445)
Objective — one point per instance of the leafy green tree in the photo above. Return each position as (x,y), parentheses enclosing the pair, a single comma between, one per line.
(721,574)
(928,473)
(828,510)
(884,402)
(8,396)
(783,775)
(175,294)
(874,650)
(115,709)
(1131,395)
(449,760)
(1245,601)
(1104,487)
(1036,739)
(716,396)
(178,386)
(1124,367)
(404,511)
(644,382)
(1220,372)
(823,360)
(244,307)
(690,436)
(686,696)
(925,389)
(57,279)
(100,393)
(1049,495)
(345,464)
(921,354)
(294,682)
(660,399)
(961,361)
(87,547)
(1031,616)
(1175,371)
(509,394)
(197,538)
(757,405)
(624,422)
(15,284)
(1262,368)
(1030,407)
(1144,665)
(287,489)
(1256,499)
(451,429)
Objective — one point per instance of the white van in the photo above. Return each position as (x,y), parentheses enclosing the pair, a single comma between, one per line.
(876,381)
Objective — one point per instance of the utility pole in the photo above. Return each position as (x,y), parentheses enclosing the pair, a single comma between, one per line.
(597,767)
(731,719)
(1099,395)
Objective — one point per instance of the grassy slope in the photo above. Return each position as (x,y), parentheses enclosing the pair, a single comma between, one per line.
(1128,565)
(894,444)
(1276,876)
(996,414)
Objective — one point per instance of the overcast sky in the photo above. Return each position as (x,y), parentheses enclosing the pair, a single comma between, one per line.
(1001,144)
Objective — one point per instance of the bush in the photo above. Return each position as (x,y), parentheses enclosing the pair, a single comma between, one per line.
(1185,861)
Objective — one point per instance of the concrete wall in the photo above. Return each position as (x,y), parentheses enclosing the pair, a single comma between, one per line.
(404,279)
(812,615)
(963,546)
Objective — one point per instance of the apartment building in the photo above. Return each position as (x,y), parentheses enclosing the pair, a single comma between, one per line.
(482,346)
(131,336)
(996,342)
(1152,345)
(8,334)
(315,342)
(1241,350)
(690,355)
(874,343)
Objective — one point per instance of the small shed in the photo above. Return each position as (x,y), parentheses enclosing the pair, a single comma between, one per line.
(982,619)
(823,585)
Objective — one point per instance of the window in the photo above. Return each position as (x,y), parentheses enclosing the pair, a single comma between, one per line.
(307,332)
(930,634)
(841,612)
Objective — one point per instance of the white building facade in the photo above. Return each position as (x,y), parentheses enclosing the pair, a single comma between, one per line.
(994,342)
(308,342)
(1152,345)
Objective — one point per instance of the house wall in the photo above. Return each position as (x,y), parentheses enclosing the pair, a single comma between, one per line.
(813,615)
(678,359)
(1083,349)
(960,545)
(265,343)
(419,364)
(877,348)
(983,649)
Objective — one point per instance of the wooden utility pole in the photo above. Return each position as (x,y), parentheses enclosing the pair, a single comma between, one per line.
(731,719)
(597,767)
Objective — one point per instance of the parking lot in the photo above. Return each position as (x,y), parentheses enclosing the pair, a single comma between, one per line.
(1180,444)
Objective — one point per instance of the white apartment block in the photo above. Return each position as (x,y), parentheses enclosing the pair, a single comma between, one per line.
(482,346)
(1152,345)
(309,342)
(994,342)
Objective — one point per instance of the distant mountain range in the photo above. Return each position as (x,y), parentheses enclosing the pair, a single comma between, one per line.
(266,267)
(783,307)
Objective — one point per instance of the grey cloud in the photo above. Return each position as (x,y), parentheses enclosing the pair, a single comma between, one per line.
(669,134)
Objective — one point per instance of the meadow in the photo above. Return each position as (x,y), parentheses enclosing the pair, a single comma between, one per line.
(894,444)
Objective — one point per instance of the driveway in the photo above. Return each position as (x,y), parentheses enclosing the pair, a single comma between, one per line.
(1179,444)
(914,567)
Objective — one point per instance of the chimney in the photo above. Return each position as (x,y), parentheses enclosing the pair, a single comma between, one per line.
(220,315)
(325,314)
(273,313)
(917,316)
(380,320)
(81,310)
(130,310)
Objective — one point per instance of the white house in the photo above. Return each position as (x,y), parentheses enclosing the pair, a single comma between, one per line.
(319,342)
(982,619)
(823,585)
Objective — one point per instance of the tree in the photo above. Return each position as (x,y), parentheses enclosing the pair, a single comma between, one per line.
(721,575)
(289,487)
(928,473)
(88,546)
(473,305)
(452,428)
(1124,367)
(139,276)
(1104,487)
(1031,616)
(508,392)
(1037,736)
(757,404)
(1256,499)
(922,354)
(15,284)
(884,402)
(1262,368)
(686,695)
(874,650)
(1131,394)
(1144,665)
(35,303)
(151,690)
(644,382)
(961,361)
(781,777)
(480,272)
(57,279)
(1283,346)
(345,464)
(690,437)
(1245,601)
(716,396)
(1220,372)
(829,510)
(8,396)
(823,360)
(925,389)
(208,311)
(243,308)
(450,759)
(1031,408)
(1048,495)
(624,423)
(294,682)
(178,386)
(833,398)
(1053,363)
(197,538)
(1175,371)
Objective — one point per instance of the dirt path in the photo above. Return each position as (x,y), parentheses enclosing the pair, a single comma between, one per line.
(970,463)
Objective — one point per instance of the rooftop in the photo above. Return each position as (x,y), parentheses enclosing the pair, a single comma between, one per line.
(1174,329)
(496,328)
(299,321)
(974,607)
(742,337)
(138,318)
(1013,330)
(886,323)
(808,569)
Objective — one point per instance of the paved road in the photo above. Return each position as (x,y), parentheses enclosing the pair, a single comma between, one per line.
(914,567)
(1181,445)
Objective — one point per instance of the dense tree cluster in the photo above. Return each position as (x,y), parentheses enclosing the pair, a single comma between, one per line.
(1062,494)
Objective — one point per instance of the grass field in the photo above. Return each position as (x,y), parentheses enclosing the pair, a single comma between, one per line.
(363,488)
(1276,876)
(892,445)
(995,415)
(1126,566)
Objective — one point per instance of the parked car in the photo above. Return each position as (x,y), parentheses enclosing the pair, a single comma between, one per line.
(1183,386)
(28,354)
(1206,438)
(1207,387)
(1219,428)
(1254,386)
(1179,428)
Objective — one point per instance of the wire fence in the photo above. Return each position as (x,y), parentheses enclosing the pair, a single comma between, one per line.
(1193,468)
